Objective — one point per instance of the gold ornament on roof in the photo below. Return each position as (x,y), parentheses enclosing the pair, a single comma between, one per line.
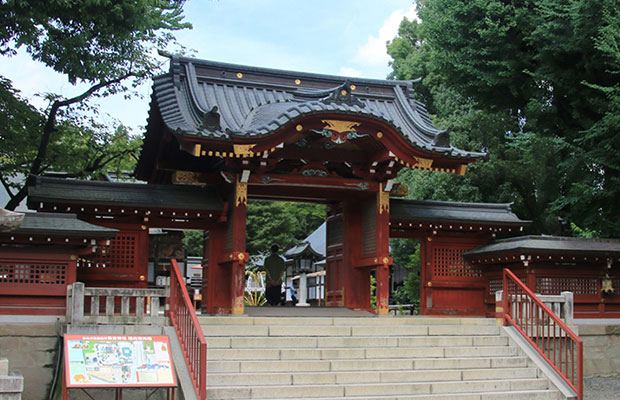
(243,150)
(338,131)
(340,126)
(424,163)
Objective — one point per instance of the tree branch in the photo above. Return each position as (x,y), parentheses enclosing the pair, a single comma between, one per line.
(6,186)
(50,123)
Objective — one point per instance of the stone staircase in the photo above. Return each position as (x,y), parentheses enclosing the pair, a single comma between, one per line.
(366,358)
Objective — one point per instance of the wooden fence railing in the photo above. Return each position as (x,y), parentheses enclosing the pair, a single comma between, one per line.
(184,320)
(561,348)
(114,306)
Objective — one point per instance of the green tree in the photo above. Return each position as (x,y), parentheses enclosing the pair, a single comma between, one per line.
(193,241)
(406,253)
(534,83)
(80,147)
(107,45)
(284,223)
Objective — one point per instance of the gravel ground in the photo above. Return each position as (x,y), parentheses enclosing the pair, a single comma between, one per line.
(602,388)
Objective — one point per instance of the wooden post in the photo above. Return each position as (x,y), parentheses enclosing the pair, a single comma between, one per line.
(383,251)
(568,306)
(499,308)
(383,289)
(356,280)
(239,256)
(215,293)
(223,282)
(77,303)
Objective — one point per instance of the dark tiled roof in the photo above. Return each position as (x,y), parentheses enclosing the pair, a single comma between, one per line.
(548,245)
(68,191)
(60,224)
(443,211)
(255,102)
(302,248)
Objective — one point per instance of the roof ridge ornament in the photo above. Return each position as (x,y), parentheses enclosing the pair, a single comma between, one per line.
(442,139)
(211,120)
(343,94)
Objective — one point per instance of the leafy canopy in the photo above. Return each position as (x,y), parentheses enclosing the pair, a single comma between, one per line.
(537,85)
(105,44)
(90,40)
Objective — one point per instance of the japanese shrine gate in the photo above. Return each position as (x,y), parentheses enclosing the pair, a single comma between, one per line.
(281,135)
(220,134)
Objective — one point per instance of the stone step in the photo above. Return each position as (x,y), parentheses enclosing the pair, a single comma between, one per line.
(344,331)
(358,353)
(548,394)
(4,366)
(408,364)
(346,377)
(342,321)
(214,342)
(373,389)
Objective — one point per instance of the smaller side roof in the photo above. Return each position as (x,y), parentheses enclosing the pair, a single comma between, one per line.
(300,249)
(70,191)
(548,245)
(60,224)
(445,211)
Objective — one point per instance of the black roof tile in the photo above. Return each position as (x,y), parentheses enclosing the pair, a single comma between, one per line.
(548,245)
(263,100)
(474,213)
(45,189)
(60,224)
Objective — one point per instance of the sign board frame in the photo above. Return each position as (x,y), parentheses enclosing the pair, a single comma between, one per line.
(108,346)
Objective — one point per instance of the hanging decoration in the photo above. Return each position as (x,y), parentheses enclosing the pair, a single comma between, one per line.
(241,193)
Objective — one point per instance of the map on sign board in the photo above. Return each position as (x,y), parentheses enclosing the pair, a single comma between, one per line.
(118,361)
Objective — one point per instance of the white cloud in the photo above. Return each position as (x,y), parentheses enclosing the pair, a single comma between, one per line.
(374,51)
(348,71)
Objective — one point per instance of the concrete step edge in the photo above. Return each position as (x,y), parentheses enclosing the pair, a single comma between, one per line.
(442,396)
(520,380)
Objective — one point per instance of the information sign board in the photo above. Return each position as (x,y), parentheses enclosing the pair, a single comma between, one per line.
(118,361)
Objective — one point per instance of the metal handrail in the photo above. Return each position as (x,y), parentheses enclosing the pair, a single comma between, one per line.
(544,330)
(185,323)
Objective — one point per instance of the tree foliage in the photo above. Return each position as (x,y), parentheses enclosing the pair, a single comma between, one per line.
(406,253)
(108,45)
(537,85)
(283,223)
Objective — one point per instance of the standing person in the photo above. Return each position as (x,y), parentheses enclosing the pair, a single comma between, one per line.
(274,268)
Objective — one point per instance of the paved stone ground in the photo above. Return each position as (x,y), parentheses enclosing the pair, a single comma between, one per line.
(602,388)
(267,311)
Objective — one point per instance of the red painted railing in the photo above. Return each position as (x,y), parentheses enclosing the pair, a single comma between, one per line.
(556,342)
(185,322)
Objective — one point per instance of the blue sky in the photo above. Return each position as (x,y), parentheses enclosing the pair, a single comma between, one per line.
(340,37)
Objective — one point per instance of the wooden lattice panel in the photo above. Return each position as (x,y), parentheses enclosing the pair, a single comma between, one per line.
(553,286)
(494,286)
(120,254)
(449,263)
(33,274)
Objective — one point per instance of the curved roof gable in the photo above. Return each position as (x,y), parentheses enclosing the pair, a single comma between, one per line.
(201,99)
